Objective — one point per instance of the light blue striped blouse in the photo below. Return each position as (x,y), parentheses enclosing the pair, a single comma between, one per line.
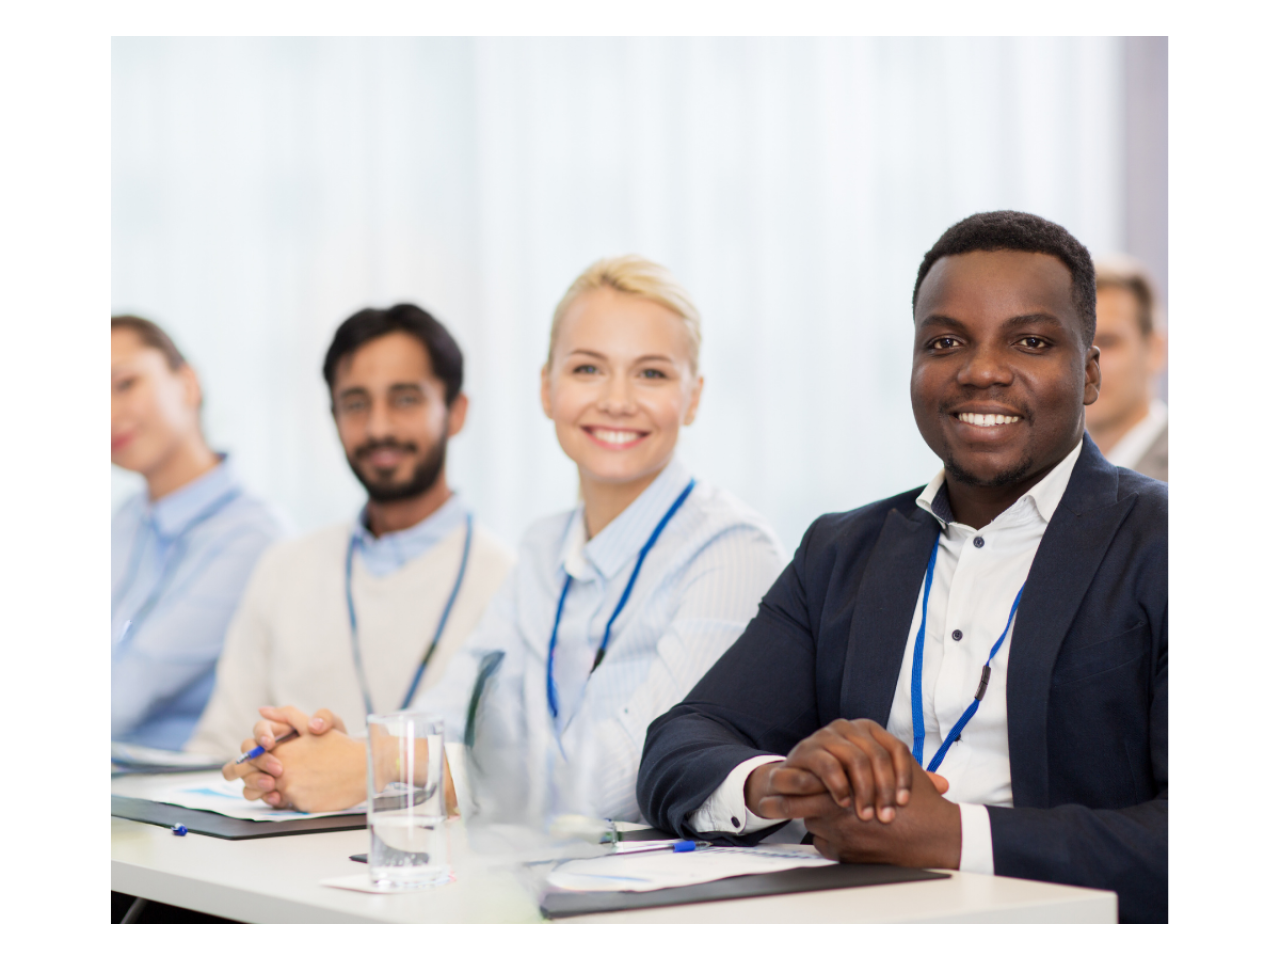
(178,567)
(698,588)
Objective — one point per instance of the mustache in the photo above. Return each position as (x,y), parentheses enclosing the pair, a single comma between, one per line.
(383,443)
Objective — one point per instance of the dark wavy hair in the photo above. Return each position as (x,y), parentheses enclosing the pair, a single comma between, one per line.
(371,323)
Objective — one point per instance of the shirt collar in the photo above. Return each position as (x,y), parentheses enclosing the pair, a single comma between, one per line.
(1044,497)
(1130,448)
(174,512)
(393,550)
(610,550)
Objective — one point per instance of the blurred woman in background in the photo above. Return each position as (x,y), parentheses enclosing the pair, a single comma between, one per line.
(181,552)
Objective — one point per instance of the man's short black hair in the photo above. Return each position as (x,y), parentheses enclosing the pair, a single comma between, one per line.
(1014,230)
(371,323)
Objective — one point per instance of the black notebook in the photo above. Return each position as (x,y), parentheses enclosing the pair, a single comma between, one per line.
(838,875)
(228,828)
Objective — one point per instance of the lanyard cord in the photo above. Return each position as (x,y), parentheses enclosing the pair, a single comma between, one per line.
(435,639)
(553,699)
(917,671)
(170,563)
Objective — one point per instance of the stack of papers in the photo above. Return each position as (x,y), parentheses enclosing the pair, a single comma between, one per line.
(663,869)
(220,796)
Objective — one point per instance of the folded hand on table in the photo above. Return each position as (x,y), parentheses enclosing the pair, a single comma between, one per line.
(848,765)
(322,770)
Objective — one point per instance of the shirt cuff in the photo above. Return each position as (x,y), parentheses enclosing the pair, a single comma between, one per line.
(725,811)
(976,855)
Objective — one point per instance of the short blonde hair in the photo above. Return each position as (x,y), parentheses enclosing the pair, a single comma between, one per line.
(639,277)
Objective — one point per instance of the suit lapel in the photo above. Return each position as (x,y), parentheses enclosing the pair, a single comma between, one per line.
(1073,546)
(882,617)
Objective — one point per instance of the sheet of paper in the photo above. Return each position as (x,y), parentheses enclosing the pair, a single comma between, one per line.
(220,796)
(663,869)
(362,883)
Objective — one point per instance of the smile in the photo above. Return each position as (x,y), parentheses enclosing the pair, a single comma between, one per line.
(986,419)
(615,439)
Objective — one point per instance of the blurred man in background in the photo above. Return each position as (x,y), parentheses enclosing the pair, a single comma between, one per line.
(181,551)
(1129,423)
(359,616)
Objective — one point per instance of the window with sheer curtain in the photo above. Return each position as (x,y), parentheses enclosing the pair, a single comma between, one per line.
(265,189)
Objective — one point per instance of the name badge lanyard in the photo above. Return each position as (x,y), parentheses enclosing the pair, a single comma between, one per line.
(553,698)
(917,672)
(435,639)
(171,562)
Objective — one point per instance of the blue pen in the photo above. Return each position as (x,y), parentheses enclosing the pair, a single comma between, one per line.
(259,750)
(652,846)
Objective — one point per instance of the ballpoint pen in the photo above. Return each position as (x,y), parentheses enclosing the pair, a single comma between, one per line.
(650,846)
(259,750)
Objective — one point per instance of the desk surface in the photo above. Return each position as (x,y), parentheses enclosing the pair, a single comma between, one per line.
(277,880)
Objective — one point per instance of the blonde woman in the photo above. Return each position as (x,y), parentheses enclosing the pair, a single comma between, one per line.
(615,608)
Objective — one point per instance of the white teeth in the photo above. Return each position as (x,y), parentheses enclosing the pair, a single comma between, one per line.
(987,419)
(616,436)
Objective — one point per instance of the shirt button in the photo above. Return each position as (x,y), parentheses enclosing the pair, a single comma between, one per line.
(979,543)
(957,635)
(734,821)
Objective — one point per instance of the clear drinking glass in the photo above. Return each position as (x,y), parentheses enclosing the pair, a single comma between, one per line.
(408,842)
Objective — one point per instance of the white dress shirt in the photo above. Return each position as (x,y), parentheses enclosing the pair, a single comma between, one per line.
(699,586)
(1139,438)
(976,578)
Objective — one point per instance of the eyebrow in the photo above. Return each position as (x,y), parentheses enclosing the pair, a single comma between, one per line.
(942,320)
(647,358)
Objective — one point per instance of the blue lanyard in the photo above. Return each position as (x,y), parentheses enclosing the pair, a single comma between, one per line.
(917,671)
(553,699)
(435,640)
(170,563)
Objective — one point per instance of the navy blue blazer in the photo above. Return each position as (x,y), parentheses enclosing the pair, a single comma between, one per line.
(1087,689)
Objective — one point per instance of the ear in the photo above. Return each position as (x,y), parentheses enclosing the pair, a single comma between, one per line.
(546,389)
(458,414)
(1158,353)
(1092,375)
(695,398)
(191,391)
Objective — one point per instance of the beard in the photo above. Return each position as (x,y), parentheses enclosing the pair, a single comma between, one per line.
(1015,474)
(425,474)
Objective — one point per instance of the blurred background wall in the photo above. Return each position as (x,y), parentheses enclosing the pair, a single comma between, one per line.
(265,189)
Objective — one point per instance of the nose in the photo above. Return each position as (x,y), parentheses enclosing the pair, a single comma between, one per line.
(985,367)
(379,422)
(616,397)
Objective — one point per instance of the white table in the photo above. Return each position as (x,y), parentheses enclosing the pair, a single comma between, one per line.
(277,880)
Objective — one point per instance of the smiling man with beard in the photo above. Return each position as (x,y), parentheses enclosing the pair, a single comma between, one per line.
(359,617)
(974,674)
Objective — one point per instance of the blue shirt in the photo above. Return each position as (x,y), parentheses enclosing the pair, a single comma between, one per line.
(698,588)
(384,555)
(178,567)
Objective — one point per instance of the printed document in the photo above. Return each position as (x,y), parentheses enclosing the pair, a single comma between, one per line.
(664,868)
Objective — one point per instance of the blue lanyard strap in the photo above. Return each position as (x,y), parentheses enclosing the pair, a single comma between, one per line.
(435,639)
(553,700)
(917,671)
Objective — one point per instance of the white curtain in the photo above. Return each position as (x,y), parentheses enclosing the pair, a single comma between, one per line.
(263,190)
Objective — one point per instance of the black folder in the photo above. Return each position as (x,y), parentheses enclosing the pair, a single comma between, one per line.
(228,828)
(565,904)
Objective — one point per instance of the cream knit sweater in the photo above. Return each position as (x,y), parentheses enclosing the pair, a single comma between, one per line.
(290,639)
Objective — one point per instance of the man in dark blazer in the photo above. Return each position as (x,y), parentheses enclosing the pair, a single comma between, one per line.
(1050,564)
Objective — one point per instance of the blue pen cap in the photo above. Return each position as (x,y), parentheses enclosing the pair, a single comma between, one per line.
(179,830)
(685,846)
